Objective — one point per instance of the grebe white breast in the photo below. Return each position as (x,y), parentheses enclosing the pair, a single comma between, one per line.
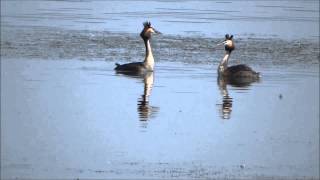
(148,63)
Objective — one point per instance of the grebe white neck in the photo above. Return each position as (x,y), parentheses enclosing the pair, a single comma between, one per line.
(224,62)
(149,60)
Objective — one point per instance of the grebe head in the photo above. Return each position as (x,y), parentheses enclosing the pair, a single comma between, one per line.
(147,31)
(228,43)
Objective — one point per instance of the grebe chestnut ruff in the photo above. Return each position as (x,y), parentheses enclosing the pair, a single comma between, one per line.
(238,72)
(148,64)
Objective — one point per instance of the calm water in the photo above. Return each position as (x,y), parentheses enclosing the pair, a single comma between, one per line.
(66,114)
(286,19)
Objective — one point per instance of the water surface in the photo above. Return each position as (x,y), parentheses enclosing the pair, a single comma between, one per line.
(66,114)
(83,120)
(286,19)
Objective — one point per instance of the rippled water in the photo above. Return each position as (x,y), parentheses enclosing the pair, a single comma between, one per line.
(287,19)
(44,43)
(66,114)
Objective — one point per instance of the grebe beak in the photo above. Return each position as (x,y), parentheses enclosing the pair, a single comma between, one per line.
(219,44)
(222,43)
(157,32)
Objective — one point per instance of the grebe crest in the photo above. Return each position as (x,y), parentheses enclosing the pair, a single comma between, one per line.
(148,63)
(237,73)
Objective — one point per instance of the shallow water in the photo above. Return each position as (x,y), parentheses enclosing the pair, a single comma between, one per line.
(66,114)
(83,120)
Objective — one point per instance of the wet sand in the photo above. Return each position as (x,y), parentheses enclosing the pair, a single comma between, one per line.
(66,114)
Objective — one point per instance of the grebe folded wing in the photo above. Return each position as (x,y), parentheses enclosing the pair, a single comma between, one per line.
(135,66)
(239,67)
(241,70)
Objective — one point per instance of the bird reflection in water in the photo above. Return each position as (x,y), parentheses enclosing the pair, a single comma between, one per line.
(223,82)
(226,106)
(145,110)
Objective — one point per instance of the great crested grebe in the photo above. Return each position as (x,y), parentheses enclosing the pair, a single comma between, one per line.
(148,64)
(239,72)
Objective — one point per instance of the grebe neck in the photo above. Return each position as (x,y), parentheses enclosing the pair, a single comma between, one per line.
(224,62)
(149,60)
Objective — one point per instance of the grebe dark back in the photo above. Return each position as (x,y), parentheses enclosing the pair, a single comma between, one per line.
(148,63)
(235,73)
